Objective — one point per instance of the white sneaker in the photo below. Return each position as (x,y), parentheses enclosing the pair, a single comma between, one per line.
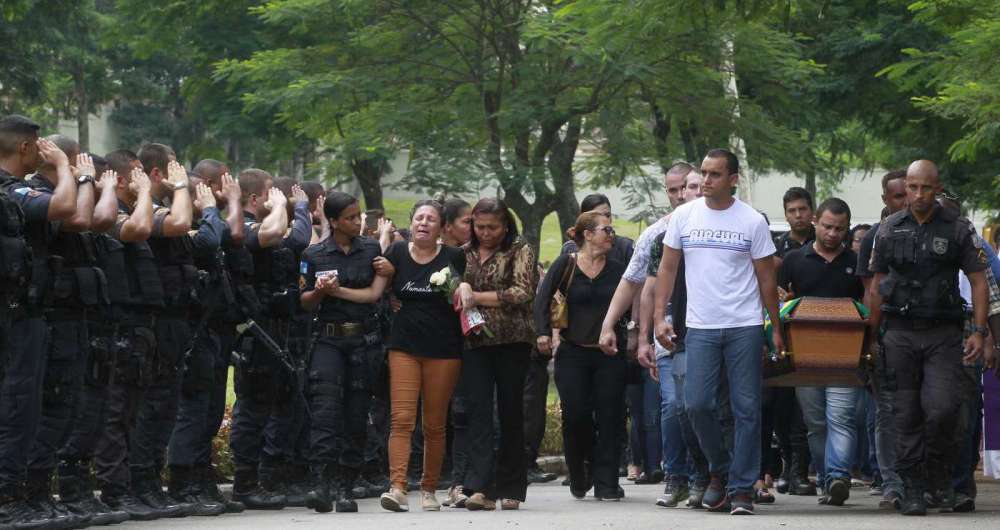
(394,500)
(429,502)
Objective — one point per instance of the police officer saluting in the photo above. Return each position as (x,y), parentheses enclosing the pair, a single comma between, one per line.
(345,276)
(21,152)
(918,253)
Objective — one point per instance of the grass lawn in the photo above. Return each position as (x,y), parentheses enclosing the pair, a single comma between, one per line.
(399,211)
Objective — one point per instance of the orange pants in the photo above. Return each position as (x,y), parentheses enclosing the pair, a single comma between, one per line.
(409,376)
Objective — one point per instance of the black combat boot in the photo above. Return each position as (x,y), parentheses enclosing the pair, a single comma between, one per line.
(149,490)
(247,490)
(118,498)
(16,513)
(209,481)
(39,496)
(320,497)
(343,497)
(184,488)
(913,496)
(77,494)
(295,477)
(798,478)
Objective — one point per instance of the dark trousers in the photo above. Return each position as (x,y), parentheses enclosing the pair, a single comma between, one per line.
(458,423)
(591,386)
(926,365)
(781,417)
(68,345)
(157,412)
(88,424)
(644,433)
(339,400)
(21,396)
(197,385)
(500,369)
(217,394)
(264,389)
(132,376)
(970,431)
(536,393)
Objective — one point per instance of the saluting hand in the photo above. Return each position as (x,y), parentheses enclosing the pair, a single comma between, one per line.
(231,190)
(176,173)
(109,179)
(299,196)
(204,198)
(51,153)
(140,181)
(85,165)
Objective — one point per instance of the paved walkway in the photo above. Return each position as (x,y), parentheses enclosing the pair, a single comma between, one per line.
(550,506)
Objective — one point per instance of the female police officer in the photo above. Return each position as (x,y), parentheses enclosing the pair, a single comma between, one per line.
(344,277)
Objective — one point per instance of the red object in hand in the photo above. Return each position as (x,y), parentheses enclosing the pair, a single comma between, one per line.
(472,320)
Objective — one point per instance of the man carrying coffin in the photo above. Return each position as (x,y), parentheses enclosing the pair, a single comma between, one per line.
(825,268)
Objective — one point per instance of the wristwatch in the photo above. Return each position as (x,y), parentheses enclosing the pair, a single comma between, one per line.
(631,325)
(980,329)
(177,186)
(83,179)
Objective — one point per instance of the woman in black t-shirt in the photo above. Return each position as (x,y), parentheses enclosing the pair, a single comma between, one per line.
(425,347)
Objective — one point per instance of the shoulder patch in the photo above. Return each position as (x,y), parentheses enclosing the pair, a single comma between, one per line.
(28,192)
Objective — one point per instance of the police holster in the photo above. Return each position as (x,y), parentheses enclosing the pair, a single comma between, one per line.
(104,347)
(140,343)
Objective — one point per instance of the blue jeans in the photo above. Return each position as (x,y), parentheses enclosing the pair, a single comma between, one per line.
(885,441)
(675,454)
(739,349)
(830,413)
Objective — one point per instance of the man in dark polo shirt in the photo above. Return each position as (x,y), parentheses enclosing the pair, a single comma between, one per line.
(826,268)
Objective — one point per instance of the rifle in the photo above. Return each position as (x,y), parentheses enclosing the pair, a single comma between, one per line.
(272,346)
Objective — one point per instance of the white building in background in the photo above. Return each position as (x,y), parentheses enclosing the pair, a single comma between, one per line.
(861,190)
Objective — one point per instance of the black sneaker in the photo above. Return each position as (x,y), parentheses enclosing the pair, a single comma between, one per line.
(676,490)
(537,475)
(964,503)
(742,504)
(913,502)
(946,500)
(838,491)
(716,499)
(696,496)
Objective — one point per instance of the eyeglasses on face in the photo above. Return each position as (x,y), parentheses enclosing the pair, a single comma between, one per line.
(607,229)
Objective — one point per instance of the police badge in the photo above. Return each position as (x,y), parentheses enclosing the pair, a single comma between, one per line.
(939,246)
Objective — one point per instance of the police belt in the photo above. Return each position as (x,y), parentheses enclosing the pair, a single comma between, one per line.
(897,322)
(341,329)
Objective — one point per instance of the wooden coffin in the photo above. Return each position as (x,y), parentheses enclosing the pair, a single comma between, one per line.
(827,343)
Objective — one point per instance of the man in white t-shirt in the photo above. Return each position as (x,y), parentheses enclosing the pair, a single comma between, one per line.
(730,246)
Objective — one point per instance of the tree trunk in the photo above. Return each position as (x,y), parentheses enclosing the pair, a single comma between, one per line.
(560,165)
(369,174)
(811,183)
(82,109)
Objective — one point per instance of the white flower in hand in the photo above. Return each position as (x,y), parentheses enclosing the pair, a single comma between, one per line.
(438,278)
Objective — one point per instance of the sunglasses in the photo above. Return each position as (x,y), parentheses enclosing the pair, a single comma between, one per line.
(609,230)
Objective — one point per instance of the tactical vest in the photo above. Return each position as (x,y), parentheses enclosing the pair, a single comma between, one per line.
(239,266)
(276,278)
(111,259)
(923,267)
(76,278)
(15,254)
(178,274)
(144,287)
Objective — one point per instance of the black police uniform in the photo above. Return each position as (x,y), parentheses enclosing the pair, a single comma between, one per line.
(18,412)
(157,413)
(198,359)
(75,485)
(922,339)
(349,337)
(27,348)
(75,286)
(135,369)
(264,387)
